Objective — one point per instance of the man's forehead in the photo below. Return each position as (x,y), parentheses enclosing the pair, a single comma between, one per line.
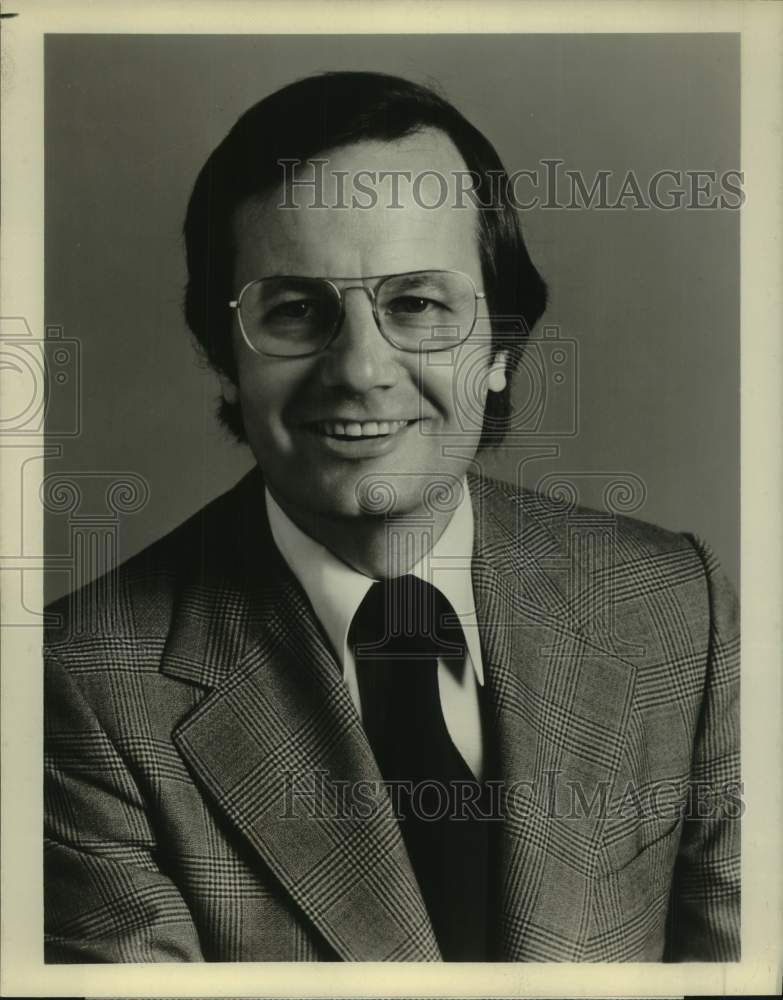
(378,205)
(427,149)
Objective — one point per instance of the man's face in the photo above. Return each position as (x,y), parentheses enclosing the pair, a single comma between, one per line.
(290,405)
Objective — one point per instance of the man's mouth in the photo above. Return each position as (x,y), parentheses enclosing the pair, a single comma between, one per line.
(353,430)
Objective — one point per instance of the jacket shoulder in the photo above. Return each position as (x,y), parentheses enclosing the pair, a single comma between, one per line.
(560,517)
(658,596)
(135,601)
(600,554)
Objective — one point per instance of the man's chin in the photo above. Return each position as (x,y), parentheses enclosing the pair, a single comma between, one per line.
(380,494)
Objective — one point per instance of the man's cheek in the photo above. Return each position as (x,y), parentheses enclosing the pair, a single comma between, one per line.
(263,426)
(273,435)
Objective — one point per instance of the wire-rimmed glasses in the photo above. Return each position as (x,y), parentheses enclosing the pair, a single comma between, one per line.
(287,316)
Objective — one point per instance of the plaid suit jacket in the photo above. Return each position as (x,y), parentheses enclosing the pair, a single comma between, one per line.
(194,711)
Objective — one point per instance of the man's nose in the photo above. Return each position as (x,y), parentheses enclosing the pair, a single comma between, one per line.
(359,358)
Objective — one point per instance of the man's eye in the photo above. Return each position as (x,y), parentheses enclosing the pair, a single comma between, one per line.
(295,309)
(409,304)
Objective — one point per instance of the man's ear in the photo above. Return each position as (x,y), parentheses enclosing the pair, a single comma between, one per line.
(496,380)
(228,389)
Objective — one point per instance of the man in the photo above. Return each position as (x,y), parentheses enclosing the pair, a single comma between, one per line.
(361,707)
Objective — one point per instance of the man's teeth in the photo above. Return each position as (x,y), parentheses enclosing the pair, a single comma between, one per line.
(369,428)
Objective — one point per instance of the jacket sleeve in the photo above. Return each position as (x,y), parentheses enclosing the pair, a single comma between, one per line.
(704,915)
(105,897)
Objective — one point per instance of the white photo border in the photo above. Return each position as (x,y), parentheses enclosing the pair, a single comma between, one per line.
(761,28)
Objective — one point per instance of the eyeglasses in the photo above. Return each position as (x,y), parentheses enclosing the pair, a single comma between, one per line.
(293,317)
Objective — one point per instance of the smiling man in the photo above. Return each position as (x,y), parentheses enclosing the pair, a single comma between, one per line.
(329,375)
(361,706)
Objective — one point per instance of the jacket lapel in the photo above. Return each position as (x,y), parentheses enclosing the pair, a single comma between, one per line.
(559,703)
(278,746)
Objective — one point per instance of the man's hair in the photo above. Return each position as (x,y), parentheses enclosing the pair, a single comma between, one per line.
(325,112)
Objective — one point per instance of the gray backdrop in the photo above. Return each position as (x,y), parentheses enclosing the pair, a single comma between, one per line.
(650,298)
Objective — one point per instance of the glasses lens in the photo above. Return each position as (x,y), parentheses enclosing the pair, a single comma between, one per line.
(288,317)
(427,310)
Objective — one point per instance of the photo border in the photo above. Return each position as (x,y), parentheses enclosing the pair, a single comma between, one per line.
(761,28)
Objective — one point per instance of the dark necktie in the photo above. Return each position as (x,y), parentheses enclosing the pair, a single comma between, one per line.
(399,631)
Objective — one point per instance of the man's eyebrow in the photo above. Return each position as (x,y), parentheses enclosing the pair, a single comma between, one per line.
(428,277)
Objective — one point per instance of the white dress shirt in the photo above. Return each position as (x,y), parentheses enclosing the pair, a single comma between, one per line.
(336,590)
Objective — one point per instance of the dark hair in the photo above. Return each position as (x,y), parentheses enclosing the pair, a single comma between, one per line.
(327,111)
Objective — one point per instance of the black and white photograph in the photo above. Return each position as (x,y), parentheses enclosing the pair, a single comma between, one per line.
(378,457)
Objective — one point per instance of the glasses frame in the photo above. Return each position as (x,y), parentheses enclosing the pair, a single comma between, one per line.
(372,292)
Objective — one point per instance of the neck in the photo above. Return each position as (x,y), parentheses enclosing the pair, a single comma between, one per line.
(379,547)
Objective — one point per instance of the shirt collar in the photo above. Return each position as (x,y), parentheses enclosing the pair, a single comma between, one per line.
(336,589)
